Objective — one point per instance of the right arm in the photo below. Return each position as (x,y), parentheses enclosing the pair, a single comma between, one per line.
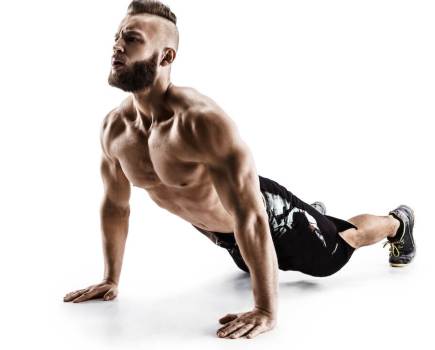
(114,215)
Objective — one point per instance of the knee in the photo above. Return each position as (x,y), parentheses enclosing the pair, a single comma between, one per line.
(354,237)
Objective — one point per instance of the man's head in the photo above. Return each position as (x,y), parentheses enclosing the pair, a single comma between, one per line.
(146,44)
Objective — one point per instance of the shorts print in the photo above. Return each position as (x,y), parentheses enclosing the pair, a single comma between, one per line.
(305,239)
(281,216)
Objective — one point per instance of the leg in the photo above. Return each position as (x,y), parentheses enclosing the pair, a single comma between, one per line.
(371,229)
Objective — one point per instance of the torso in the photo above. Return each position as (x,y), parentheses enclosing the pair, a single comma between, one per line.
(155,158)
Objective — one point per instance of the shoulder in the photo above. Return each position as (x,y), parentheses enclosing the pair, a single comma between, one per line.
(113,125)
(209,130)
(198,112)
(210,124)
(109,119)
(188,99)
(115,116)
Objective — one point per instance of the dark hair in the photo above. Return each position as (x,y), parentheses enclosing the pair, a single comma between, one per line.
(153,7)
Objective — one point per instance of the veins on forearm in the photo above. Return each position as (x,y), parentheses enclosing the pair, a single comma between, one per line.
(257,249)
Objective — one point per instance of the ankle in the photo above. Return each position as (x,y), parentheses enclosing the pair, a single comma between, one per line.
(395,226)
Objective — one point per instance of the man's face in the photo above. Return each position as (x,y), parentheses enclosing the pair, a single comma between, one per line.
(134,60)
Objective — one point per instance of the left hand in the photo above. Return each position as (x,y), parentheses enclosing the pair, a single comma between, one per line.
(247,324)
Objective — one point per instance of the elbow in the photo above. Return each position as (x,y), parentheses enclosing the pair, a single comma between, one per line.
(254,239)
(110,208)
(253,224)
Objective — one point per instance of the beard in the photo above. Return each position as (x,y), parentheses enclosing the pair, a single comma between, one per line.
(135,77)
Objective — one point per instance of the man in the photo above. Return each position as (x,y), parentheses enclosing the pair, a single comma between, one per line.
(182,148)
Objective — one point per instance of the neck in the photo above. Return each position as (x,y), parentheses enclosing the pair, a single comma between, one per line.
(150,102)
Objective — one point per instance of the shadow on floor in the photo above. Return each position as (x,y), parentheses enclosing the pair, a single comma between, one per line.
(183,314)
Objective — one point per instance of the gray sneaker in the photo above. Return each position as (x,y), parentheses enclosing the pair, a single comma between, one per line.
(319,206)
(402,245)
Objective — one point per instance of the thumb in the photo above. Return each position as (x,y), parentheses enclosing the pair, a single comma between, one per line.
(110,294)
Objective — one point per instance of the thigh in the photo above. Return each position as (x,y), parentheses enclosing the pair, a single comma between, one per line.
(315,248)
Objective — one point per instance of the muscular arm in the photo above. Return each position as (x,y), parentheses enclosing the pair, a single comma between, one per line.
(232,169)
(114,212)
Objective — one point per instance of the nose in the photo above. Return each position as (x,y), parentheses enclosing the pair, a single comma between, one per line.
(117,46)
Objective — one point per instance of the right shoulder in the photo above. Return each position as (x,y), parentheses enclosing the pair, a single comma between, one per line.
(112,125)
(116,114)
(106,132)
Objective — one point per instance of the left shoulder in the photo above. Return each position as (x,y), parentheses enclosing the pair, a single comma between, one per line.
(211,123)
(206,130)
(214,134)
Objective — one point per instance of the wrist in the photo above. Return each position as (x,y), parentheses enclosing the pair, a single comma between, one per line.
(110,280)
(270,312)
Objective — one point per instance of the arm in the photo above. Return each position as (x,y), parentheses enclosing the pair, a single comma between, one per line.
(233,172)
(114,213)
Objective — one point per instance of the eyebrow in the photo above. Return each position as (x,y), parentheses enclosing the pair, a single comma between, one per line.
(130,31)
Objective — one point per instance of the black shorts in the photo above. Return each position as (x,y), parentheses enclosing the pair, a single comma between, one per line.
(305,240)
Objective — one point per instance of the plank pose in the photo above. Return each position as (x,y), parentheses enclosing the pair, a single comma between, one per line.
(186,152)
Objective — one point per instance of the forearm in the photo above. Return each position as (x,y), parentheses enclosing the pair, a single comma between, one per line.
(257,249)
(114,227)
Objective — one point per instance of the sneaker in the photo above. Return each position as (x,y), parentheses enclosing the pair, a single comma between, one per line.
(319,206)
(402,245)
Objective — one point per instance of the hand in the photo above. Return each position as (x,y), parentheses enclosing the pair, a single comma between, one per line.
(107,290)
(247,324)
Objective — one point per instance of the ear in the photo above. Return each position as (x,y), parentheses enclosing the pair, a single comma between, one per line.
(168,57)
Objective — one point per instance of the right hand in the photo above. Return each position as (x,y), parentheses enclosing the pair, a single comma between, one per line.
(107,290)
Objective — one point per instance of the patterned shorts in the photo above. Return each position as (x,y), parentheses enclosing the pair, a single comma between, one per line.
(304,239)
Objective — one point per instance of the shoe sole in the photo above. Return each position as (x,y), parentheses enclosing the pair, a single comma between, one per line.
(399,265)
(412,221)
(412,225)
(412,218)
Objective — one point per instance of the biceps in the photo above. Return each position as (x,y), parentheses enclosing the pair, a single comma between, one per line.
(116,185)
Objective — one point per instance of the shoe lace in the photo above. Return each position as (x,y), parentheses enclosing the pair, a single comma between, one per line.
(395,247)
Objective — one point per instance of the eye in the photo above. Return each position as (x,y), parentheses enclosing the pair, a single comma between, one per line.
(131,39)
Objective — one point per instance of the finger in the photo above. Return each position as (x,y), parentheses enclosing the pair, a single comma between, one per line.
(255,331)
(93,293)
(75,292)
(227,318)
(223,332)
(110,295)
(72,295)
(227,325)
(242,331)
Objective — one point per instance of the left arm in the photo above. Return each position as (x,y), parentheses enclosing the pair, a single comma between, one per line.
(233,172)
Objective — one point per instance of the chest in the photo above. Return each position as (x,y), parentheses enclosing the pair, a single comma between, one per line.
(149,160)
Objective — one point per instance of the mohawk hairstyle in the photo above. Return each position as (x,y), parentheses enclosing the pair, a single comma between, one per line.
(153,7)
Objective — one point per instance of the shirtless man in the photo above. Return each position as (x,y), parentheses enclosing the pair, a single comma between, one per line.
(182,148)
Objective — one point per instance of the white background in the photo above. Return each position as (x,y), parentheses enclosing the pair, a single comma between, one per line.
(334,98)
